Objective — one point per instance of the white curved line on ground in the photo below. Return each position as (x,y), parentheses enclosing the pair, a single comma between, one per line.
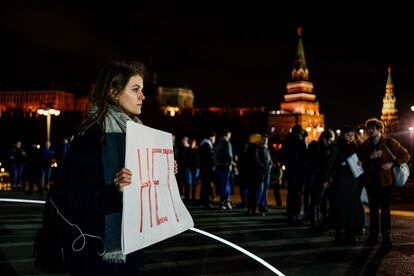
(242,250)
(22,200)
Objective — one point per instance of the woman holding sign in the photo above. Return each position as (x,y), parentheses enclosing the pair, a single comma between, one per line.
(93,176)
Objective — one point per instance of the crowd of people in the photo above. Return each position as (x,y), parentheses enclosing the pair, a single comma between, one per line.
(323,188)
(321,185)
(34,165)
(218,170)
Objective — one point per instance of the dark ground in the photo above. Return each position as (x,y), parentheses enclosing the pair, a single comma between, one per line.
(292,250)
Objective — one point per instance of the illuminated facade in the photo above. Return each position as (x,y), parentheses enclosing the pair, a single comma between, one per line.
(389,112)
(31,101)
(299,105)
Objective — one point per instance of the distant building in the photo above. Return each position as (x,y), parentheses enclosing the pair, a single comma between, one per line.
(389,112)
(31,101)
(174,99)
(299,105)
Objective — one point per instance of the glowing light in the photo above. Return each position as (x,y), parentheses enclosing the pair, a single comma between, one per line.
(48,113)
(171,110)
(308,129)
(2,170)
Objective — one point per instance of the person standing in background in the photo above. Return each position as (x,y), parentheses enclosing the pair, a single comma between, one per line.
(17,159)
(293,154)
(318,177)
(34,169)
(47,158)
(206,159)
(223,153)
(277,181)
(251,173)
(378,179)
(266,168)
(349,213)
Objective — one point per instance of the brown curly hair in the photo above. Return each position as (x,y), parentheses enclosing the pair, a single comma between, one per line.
(374,122)
(112,78)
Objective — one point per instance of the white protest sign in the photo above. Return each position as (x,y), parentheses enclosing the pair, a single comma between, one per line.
(152,207)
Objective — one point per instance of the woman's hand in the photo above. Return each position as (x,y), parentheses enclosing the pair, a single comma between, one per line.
(387,166)
(122,179)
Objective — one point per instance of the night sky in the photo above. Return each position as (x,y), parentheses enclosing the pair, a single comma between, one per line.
(234,55)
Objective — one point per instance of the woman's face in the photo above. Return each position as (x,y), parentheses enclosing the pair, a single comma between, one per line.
(131,97)
(349,137)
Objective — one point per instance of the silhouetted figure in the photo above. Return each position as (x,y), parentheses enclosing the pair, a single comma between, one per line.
(206,159)
(266,168)
(293,154)
(318,179)
(34,169)
(349,210)
(47,158)
(17,160)
(276,182)
(251,172)
(223,153)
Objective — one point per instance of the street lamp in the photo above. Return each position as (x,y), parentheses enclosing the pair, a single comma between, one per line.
(48,113)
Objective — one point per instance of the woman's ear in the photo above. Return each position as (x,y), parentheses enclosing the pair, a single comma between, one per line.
(113,95)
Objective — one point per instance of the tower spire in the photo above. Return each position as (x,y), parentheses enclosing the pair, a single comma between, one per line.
(389,112)
(299,105)
(389,81)
(300,70)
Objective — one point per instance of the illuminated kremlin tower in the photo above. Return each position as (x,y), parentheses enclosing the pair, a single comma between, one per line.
(299,105)
(389,111)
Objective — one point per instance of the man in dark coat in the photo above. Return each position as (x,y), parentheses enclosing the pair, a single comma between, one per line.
(293,154)
(206,161)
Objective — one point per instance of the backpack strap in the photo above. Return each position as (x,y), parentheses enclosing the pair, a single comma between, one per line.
(387,142)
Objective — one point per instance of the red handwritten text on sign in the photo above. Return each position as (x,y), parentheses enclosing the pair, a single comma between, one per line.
(157,155)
